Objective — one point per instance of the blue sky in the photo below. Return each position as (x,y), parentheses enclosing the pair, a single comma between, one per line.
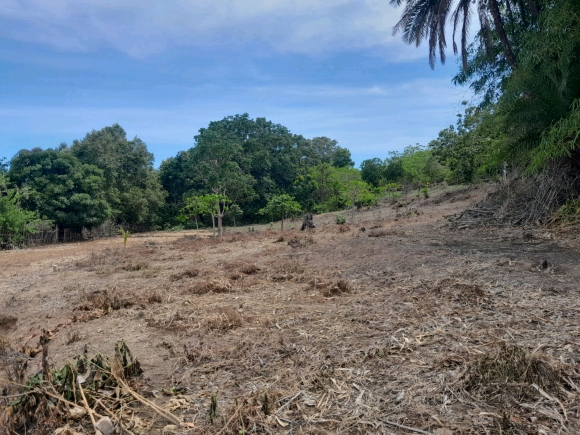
(165,69)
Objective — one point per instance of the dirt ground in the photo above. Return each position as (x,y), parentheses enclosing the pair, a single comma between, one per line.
(387,322)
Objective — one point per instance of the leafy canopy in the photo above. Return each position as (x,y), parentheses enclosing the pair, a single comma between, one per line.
(60,187)
(132,187)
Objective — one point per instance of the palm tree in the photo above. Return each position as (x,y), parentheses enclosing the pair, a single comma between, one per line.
(427,19)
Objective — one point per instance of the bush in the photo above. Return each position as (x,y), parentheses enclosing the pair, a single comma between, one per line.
(339,219)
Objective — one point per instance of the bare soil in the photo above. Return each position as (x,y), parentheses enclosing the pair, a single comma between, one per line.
(389,321)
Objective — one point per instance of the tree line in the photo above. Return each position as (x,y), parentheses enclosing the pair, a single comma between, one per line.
(239,170)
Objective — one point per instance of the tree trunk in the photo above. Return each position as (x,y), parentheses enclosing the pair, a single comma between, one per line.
(220,215)
(282,224)
(196,225)
(499,27)
(213,224)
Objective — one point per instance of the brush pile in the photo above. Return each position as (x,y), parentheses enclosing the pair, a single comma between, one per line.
(89,392)
(530,201)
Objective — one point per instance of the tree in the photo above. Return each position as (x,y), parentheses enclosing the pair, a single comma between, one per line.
(539,109)
(281,205)
(195,206)
(216,168)
(132,187)
(267,157)
(236,210)
(354,190)
(372,171)
(463,148)
(15,222)
(341,158)
(427,19)
(60,187)
(3,165)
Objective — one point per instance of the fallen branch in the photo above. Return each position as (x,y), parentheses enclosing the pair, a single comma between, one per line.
(88,408)
(238,409)
(289,402)
(411,429)
(165,414)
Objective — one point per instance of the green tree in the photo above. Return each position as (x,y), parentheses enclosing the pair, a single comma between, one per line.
(428,20)
(355,189)
(235,210)
(372,171)
(463,149)
(539,108)
(60,187)
(195,206)
(217,161)
(132,187)
(15,222)
(393,171)
(341,158)
(214,205)
(281,205)
(277,161)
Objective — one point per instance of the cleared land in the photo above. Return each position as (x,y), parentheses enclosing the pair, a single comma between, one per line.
(336,330)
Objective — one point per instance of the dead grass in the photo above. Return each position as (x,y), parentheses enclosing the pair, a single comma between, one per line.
(107,300)
(343,334)
(189,273)
(73,337)
(155,297)
(378,233)
(224,320)
(331,288)
(210,286)
(250,269)
(136,266)
(508,370)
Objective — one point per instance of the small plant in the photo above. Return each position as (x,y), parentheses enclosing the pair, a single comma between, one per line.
(125,236)
(271,226)
(266,404)
(339,219)
(425,191)
(213,408)
(393,191)
(569,212)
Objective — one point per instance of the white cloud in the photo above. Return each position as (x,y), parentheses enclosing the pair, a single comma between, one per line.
(369,120)
(142,27)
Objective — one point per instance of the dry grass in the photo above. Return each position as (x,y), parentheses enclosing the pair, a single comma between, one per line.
(155,297)
(331,288)
(211,286)
(189,273)
(225,319)
(378,233)
(136,266)
(107,300)
(427,328)
(510,370)
(250,269)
